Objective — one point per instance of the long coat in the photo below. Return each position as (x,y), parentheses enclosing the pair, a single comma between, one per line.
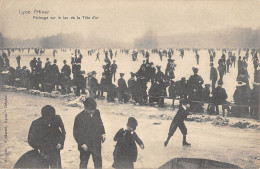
(45,137)
(88,129)
(125,149)
(213,74)
(219,95)
(121,85)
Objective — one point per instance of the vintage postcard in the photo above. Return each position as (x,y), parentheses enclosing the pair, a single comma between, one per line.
(129,84)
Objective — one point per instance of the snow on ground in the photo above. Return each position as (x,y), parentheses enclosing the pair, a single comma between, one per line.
(227,144)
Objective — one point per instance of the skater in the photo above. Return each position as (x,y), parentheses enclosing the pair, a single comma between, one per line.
(197,58)
(18,59)
(125,153)
(97,58)
(113,69)
(122,97)
(89,133)
(47,135)
(178,121)
(213,75)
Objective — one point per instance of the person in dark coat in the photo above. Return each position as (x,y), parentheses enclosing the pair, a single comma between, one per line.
(195,83)
(197,58)
(113,69)
(31,159)
(33,64)
(18,59)
(241,98)
(233,60)
(169,71)
(178,122)
(219,98)
(122,87)
(125,152)
(89,133)
(159,75)
(47,64)
(221,68)
(213,75)
(47,135)
(93,85)
(65,77)
(228,63)
(131,85)
(55,74)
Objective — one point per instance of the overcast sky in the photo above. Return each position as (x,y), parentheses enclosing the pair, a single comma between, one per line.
(126,20)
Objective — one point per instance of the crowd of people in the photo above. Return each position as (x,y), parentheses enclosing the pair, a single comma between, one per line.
(162,83)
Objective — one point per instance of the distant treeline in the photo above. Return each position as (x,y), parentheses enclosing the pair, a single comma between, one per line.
(233,38)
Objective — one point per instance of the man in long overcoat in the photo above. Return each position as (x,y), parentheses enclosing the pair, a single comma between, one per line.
(47,135)
(89,132)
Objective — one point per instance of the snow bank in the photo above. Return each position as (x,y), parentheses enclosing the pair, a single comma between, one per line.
(77,102)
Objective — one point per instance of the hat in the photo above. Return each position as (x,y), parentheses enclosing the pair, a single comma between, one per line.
(240,83)
(93,72)
(220,82)
(211,64)
(183,79)
(195,70)
(132,74)
(132,123)
(48,111)
(121,74)
(24,67)
(103,74)
(90,103)
(114,60)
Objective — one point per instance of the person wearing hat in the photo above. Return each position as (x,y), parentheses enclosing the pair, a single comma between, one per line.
(178,122)
(103,83)
(219,98)
(113,69)
(89,133)
(159,75)
(169,71)
(65,76)
(221,68)
(33,64)
(241,98)
(122,97)
(151,72)
(47,136)
(131,84)
(195,83)
(93,84)
(213,75)
(125,152)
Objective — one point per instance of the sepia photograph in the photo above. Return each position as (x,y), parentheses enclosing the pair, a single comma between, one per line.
(164,84)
